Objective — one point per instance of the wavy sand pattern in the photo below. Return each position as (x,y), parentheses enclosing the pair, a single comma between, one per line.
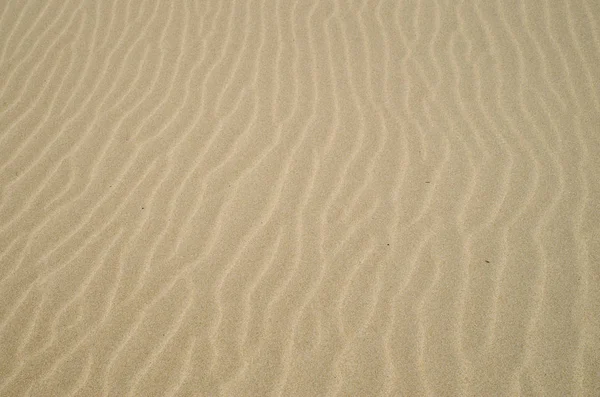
(300,198)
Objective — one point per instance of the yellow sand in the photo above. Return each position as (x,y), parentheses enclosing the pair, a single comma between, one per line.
(300,198)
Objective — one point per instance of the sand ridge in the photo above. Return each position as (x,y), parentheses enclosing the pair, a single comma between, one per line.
(299,198)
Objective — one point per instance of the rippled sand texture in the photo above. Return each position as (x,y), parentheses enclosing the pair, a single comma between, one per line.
(300,198)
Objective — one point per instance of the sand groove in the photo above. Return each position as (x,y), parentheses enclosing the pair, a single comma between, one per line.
(299,198)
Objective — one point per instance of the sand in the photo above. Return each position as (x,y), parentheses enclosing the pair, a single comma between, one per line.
(300,198)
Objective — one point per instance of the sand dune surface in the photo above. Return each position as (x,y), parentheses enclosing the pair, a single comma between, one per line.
(300,198)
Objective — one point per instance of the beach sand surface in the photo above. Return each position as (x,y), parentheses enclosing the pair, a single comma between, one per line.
(300,198)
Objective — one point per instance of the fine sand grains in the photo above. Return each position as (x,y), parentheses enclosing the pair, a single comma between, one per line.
(300,198)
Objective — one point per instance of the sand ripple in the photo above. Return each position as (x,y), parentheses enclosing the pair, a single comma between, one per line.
(299,198)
